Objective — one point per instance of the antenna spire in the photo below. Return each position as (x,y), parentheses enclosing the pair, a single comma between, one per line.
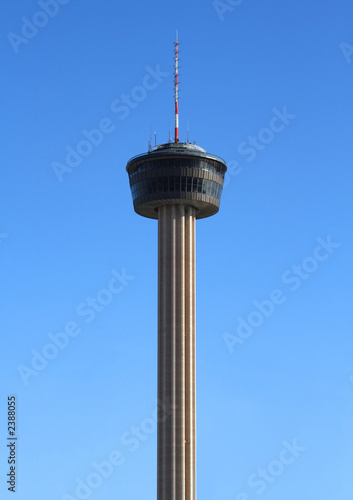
(176,89)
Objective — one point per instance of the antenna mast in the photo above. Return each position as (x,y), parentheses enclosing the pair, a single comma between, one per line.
(150,141)
(176,89)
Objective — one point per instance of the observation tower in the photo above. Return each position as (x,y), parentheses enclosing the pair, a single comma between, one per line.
(176,183)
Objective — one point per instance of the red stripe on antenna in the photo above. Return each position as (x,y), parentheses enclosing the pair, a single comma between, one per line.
(176,89)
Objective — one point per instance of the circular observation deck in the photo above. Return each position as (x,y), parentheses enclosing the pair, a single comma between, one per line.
(176,173)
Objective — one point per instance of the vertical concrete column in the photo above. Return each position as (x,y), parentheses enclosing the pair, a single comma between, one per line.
(176,352)
(190,355)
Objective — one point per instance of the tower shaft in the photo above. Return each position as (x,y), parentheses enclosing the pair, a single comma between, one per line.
(176,352)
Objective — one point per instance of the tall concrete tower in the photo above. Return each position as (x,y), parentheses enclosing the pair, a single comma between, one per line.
(176,183)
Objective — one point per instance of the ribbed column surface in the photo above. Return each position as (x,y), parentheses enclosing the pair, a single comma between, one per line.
(176,353)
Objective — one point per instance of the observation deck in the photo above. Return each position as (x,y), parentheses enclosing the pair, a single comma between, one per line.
(176,174)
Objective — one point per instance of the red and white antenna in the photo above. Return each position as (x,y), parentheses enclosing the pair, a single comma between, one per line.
(176,89)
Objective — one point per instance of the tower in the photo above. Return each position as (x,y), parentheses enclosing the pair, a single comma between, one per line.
(176,183)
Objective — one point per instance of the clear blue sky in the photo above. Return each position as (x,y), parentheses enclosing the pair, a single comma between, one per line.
(268,87)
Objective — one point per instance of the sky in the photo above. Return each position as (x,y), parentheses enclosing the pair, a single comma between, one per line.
(268,87)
